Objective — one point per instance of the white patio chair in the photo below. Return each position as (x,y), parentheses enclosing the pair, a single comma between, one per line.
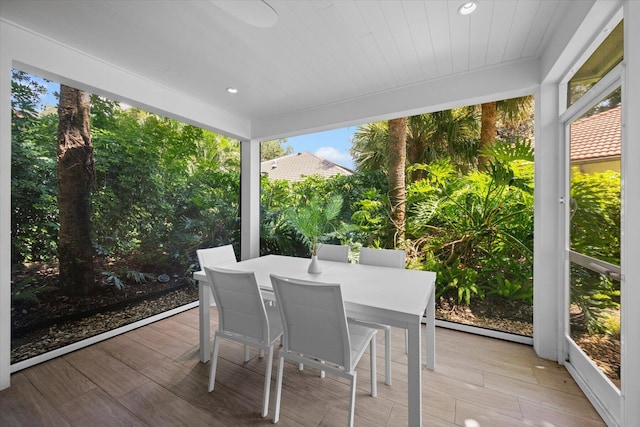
(210,257)
(394,258)
(327,252)
(243,318)
(218,255)
(317,333)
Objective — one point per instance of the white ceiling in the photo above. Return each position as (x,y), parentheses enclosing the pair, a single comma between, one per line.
(318,54)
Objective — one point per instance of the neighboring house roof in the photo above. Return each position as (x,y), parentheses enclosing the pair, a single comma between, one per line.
(597,137)
(296,167)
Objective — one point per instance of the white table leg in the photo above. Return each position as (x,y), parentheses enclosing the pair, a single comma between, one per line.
(204,314)
(414,368)
(430,340)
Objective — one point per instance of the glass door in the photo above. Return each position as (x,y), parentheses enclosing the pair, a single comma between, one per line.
(593,249)
(593,212)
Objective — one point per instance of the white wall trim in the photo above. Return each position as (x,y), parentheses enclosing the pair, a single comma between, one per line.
(547,253)
(250,199)
(490,333)
(580,30)
(630,241)
(5,212)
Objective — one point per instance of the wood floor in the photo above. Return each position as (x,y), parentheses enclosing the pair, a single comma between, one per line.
(152,377)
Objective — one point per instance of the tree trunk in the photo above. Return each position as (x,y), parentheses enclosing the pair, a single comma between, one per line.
(76,175)
(396,175)
(415,147)
(488,131)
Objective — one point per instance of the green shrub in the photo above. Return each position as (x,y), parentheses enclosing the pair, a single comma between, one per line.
(28,290)
(477,228)
(595,203)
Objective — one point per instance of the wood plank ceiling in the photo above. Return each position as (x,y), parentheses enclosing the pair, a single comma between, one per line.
(318,53)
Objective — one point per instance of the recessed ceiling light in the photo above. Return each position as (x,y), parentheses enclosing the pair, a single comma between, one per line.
(467,8)
(232,90)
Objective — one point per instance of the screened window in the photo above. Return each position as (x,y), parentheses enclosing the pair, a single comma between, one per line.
(606,56)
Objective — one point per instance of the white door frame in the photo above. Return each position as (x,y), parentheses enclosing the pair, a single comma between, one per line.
(602,393)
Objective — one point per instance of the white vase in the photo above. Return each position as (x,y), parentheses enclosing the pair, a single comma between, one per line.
(314,266)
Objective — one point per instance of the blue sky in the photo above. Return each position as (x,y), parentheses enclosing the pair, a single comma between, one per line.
(332,145)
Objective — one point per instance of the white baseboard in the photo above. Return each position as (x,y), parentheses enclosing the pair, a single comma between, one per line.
(491,333)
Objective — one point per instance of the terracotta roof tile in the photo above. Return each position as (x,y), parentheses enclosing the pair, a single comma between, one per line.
(296,167)
(597,136)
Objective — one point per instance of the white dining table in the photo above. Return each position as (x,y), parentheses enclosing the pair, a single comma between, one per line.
(390,296)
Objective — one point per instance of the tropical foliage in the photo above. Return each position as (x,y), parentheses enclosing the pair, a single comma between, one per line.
(165,188)
(475,229)
(313,220)
(162,188)
(595,202)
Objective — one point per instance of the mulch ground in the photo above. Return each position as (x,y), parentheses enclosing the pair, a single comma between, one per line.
(59,334)
(495,313)
(55,320)
(604,350)
(517,318)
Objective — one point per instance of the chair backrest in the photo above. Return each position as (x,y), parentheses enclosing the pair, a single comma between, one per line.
(239,301)
(211,257)
(383,257)
(315,323)
(339,253)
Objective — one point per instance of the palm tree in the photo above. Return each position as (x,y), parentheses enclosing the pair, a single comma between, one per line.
(488,131)
(314,219)
(511,112)
(427,137)
(450,133)
(369,146)
(432,136)
(397,156)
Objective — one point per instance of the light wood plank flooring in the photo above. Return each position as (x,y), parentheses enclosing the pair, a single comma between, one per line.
(152,377)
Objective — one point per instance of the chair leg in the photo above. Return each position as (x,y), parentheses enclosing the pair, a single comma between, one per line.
(406,341)
(387,355)
(267,383)
(352,399)
(276,415)
(374,375)
(214,363)
(246,353)
(261,353)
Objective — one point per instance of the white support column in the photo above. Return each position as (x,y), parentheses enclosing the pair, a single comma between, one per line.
(630,350)
(5,210)
(250,199)
(547,248)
